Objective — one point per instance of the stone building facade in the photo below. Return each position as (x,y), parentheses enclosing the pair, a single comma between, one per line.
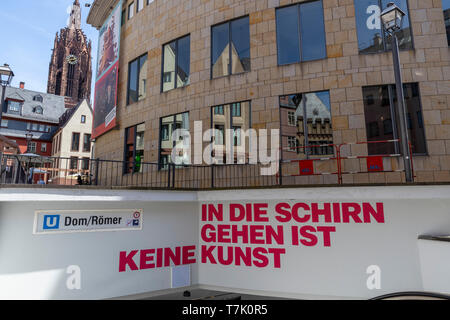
(70,69)
(347,72)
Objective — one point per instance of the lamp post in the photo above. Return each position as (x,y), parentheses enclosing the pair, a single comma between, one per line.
(6,76)
(392,18)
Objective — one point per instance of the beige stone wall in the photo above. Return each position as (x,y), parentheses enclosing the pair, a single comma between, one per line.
(343,73)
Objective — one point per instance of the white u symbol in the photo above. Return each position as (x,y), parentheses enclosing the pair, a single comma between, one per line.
(51,222)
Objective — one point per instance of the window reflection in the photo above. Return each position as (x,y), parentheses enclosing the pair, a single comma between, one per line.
(167,144)
(369,28)
(380,105)
(231,123)
(137,80)
(231,48)
(300,33)
(176,64)
(312,133)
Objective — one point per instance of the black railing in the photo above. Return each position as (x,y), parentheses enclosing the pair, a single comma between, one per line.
(26,169)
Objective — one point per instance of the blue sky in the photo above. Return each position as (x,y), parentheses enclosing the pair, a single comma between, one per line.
(27,34)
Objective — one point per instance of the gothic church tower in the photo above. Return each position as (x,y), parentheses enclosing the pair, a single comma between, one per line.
(70,72)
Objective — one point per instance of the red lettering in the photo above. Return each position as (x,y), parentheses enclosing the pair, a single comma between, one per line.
(326,234)
(277,236)
(351,210)
(337,212)
(235,233)
(169,255)
(147,256)
(297,218)
(377,214)
(306,233)
(125,260)
(208,236)
(241,214)
(223,233)
(222,260)
(261,260)
(282,209)
(246,258)
(294,234)
(261,212)
(255,232)
(277,256)
(316,212)
(207,254)
(189,255)
(215,213)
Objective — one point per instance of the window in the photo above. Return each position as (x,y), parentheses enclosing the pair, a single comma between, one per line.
(292,144)
(123,17)
(236,109)
(371,38)
(134,148)
(14,107)
(176,63)
(218,110)
(31,147)
(38,110)
(86,143)
(137,79)
(149,1)
(85,163)
(230,48)
(384,115)
(131,10)
(446,8)
(73,163)
(231,123)
(38,98)
(291,119)
(301,33)
(34,127)
(313,133)
(43,147)
(83,119)
(75,146)
(4,123)
(140,5)
(168,126)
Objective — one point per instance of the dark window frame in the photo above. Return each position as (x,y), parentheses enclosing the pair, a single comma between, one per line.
(300,58)
(394,116)
(72,142)
(138,60)
(130,11)
(174,127)
(176,63)
(126,166)
(86,143)
(230,39)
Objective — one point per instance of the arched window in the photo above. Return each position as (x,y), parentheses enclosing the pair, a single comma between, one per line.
(38,110)
(38,98)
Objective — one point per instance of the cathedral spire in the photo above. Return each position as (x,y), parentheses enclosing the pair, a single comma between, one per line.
(75,16)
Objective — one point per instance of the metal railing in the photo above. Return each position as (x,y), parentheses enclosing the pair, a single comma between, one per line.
(315,169)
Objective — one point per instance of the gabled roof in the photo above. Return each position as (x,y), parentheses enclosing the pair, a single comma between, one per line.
(66,116)
(53,106)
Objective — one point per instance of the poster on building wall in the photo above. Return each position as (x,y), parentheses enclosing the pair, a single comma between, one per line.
(105,98)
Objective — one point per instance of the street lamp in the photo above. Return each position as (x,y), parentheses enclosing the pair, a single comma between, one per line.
(392,19)
(6,76)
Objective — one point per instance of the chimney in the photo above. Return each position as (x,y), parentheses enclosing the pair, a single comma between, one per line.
(22,85)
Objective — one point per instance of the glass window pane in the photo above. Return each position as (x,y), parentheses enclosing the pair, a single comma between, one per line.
(183,60)
(416,133)
(319,129)
(143,77)
(377,111)
(166,143)
(446,8)
(313,31)
(287,35)
(404,35)
(368,26)
(220,50)
(131,10)
(240,49)
(132,82)
(169,66)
